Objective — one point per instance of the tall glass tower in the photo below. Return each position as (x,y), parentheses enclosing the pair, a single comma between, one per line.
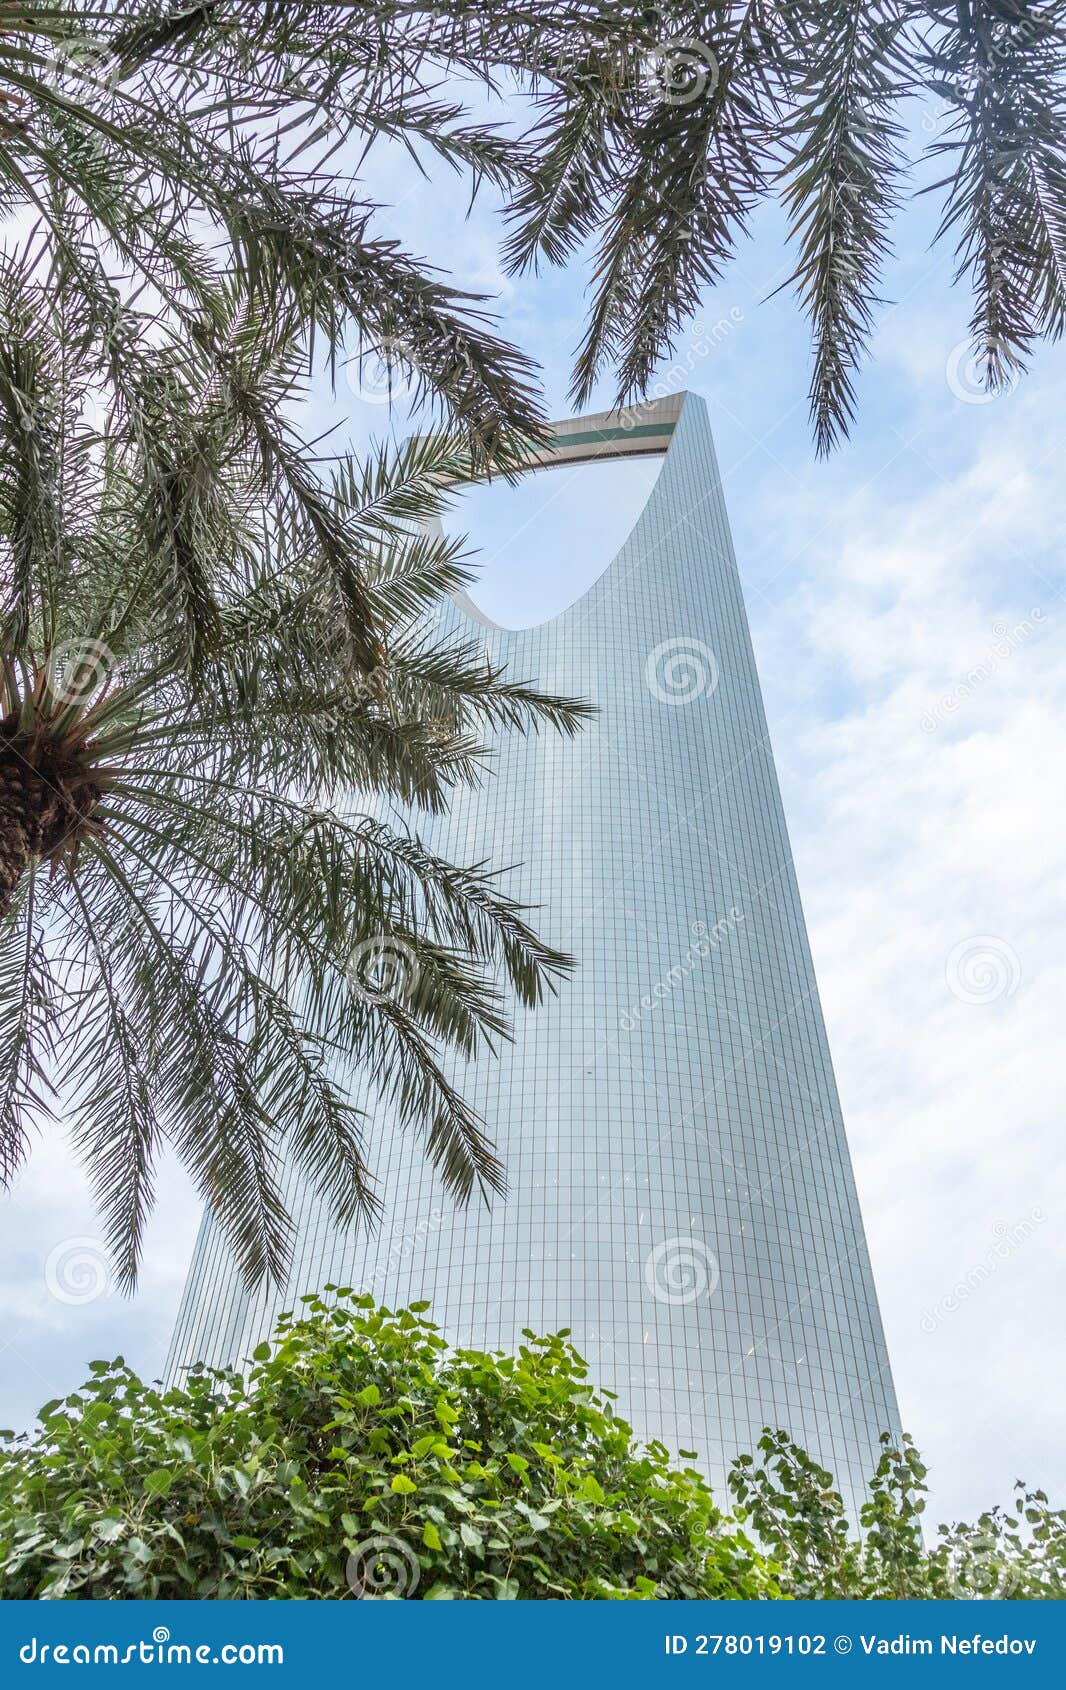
(681,1190)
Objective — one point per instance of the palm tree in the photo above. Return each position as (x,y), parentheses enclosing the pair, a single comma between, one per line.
(196,944)
(204,638)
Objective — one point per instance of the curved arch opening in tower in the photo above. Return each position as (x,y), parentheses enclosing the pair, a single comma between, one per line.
(537,546)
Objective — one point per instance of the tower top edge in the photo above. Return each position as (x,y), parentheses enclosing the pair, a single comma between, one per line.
(631,431)
(642,430)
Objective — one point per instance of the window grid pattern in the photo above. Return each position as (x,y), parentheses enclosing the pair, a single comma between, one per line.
(681,1193)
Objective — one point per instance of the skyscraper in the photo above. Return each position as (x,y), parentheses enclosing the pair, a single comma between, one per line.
(681,1190)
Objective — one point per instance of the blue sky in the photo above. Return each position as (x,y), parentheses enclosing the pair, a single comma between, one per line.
(905,599)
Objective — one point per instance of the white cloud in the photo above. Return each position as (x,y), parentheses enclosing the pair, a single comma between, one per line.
(913,841)
(59,1307)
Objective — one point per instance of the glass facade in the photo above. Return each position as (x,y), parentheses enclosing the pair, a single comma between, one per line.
(681,1191)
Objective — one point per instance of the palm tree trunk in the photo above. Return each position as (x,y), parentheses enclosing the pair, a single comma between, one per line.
(25,802)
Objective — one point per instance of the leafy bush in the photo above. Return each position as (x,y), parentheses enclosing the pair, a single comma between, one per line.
(789,1503)
(363,1457)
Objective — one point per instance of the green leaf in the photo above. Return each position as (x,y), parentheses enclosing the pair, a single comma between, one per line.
(431,1536)
(369,1396)
(403,1486)
(548,1455)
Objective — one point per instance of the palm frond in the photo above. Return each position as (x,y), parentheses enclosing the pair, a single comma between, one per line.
(840,180)
(1001,67)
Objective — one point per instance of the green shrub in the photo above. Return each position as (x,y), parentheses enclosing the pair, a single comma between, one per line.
(789,1503)
(362,1457)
